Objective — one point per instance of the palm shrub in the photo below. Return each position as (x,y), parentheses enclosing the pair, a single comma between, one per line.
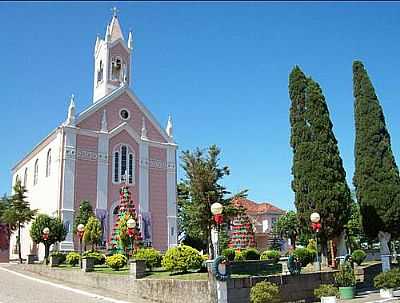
(345,277)
(264,292)
(358,256)
(272,255)
(387,280)
(229,254)
(150,255)
(116,262)
(99,257)
(326,290)
(73,258)
(181,259)
(251,254)
(304,255)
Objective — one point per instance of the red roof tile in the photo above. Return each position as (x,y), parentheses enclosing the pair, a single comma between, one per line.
(258,208)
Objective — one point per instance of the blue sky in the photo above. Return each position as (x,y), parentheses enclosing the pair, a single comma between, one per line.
(220,69)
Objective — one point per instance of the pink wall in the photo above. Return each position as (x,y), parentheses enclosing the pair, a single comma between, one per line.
(113,118)
(85,172)
(158,200)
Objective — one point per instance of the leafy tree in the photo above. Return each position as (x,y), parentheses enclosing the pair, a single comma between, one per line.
(56,227)
(322,186)
(18,213)
(376,177)
(354,232)
(199,190)
(84,213)
(92,233)
(288,227)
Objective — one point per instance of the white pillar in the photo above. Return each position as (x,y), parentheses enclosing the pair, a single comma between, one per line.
(144,206)
(68,185)
(171,196)
(102,181)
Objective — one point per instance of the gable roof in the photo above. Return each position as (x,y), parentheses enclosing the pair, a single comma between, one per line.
(116,93)
(258,208)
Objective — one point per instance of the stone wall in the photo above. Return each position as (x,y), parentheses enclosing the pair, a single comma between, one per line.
(292,288)
(156,290)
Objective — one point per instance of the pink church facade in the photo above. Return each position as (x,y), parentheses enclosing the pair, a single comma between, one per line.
(115,140)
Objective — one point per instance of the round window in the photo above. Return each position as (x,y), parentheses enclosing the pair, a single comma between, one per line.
(124,114)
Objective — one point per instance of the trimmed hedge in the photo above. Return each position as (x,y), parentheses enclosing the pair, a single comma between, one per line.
(116,262)
(358,256)
(73,258)
(273,255)
(152,257)
(181,259)
(99,257)
(305,255)
(264,292)
(229,254)
(251,254)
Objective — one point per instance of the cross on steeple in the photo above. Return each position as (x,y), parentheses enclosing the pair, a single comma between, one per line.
(114,11)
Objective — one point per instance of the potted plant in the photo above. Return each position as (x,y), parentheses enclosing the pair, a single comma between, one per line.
(56,258)
(88,263)
(327,293)
(346,281)
(386,281)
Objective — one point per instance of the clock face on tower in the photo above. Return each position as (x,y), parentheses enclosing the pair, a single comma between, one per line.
(124,114)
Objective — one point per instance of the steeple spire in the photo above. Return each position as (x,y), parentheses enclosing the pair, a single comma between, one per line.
(130,40)
(144,129)
(168,129)
(71,112)
(115,28)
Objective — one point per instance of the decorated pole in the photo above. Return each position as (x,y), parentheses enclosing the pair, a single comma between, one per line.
(316,227)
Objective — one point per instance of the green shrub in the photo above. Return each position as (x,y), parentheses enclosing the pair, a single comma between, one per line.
(99,257)
(273,255)
(73,258)
(264,292)
(326,290)
(116,262)
(182,258)
(358,256)
(229,254)
(251,254)
(150,255)
(389,279)
(58,254)
(312,244)
(304,255)
(239,256)
(345,277)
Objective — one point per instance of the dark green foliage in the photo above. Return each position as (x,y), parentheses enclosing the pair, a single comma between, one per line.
(304,255)
(273,255)
(354,233)
(229,254)
(56,227)
(288,226)
(345,277)
(18,212)
(326,290)
(152,257)
(99,257)
(358,256)
(376,176)
(251,254)
(387,280)
(60,255)
(264,292)
(223,238)
(92,232)
(319,178)
(201,188)
(84,213)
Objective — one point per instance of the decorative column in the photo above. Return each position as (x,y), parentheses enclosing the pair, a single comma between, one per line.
(144,208)
(102,176)
(68,184)
(171,196)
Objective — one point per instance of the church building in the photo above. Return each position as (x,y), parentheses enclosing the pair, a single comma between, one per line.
(115,140)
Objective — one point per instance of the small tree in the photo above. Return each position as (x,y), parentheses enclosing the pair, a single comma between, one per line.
(18,213)
(56,227)
(288,227)
(84,213)
(92,232)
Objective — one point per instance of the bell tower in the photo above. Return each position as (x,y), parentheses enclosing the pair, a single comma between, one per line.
(112,60)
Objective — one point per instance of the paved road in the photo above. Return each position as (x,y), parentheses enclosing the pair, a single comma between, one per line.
(22,288)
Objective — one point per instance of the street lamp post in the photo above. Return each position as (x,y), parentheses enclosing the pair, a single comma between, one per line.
(216,210)
(316,226)
(80,231)
(131,224)
(46,232)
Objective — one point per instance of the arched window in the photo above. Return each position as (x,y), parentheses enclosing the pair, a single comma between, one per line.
(26,176)
(48,163)
(36,172)
(116,69)
(123,163)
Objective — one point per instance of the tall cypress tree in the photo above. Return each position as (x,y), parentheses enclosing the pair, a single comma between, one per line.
(319,178)
(376,176)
